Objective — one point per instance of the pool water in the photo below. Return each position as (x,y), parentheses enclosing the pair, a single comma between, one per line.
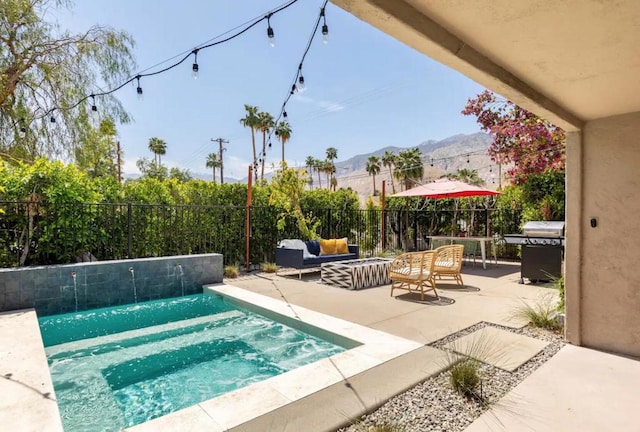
(121,366)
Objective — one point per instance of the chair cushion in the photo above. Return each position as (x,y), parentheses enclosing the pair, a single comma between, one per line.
(443,263)
(342,246)
(296,244)
(327,247)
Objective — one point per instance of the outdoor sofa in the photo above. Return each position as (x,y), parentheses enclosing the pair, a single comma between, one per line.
(299,254)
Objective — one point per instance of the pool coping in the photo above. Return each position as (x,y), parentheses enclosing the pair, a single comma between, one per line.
(241,406)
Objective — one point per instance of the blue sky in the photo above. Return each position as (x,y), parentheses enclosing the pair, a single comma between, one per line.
(364,89)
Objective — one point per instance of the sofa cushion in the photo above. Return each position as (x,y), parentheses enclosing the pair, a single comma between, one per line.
(296,244)
(342,246)
(313,246)
(316,261)
(327,247)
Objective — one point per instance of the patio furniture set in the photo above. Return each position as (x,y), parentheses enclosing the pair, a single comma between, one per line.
(415,272)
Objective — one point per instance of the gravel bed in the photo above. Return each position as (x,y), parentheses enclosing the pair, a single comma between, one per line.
(433,405)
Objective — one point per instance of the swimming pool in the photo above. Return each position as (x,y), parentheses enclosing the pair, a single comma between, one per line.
(121,366)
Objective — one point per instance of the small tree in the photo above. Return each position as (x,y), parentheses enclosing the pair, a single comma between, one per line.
(520,137)
(287,187)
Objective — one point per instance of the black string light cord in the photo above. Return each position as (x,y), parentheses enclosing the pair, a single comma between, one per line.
(298,78)
(137,77)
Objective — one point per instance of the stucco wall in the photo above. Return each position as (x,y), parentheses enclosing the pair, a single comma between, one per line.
(53,290)
(608,286)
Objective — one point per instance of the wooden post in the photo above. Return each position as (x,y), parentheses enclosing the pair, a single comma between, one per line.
(248,219)
(384,188)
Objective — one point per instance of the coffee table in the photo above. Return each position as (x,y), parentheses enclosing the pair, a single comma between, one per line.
(356,274)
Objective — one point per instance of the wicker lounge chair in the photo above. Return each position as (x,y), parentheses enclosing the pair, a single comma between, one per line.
(448,262)
(413,272)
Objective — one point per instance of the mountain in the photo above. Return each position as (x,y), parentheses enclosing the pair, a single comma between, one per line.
(447,156)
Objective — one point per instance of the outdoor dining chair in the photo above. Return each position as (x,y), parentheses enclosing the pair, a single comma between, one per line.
(413,272)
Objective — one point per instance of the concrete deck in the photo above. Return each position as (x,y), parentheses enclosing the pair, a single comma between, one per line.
(490,295)
(578,389)
(27,399)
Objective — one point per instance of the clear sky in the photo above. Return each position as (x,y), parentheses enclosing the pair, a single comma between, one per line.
(364,89)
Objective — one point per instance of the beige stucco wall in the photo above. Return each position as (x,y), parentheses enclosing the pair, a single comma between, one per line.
(603,263)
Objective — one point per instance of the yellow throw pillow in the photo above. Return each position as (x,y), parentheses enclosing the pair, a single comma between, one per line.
(327,246)
(342,247)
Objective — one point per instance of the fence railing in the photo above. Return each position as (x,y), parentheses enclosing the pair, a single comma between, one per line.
(40,233)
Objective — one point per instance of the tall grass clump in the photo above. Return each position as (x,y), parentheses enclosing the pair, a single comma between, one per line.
(269,267)
(232,271)
(542,313)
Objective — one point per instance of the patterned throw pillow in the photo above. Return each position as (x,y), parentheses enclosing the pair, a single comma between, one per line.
(327,247)
(342,246)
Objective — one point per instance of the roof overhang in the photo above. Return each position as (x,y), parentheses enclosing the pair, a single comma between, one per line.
(569,62)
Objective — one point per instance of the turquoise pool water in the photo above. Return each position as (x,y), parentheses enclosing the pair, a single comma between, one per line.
(121,366)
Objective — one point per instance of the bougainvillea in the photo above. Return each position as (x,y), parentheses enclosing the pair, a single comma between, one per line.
(529,144)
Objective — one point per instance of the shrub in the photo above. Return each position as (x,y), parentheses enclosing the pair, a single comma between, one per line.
(542,313)
(231,271)
(269,267)
(464,377)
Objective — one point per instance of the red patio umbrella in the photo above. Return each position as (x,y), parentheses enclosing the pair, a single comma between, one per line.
(445,188)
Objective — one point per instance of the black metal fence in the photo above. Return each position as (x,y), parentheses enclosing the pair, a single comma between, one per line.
(38,234)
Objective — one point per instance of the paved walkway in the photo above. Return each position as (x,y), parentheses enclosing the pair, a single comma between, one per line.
(578,389)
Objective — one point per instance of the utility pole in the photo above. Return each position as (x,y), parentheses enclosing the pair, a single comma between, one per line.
(221,141)
(119,164)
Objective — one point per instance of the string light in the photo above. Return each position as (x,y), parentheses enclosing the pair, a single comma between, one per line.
(300,78)
(284,114)
(468,158)
(294,89)
(139,89)
(94,108)
(325,28)
(432,162)
(270,34)
(490,168)
(52,119)
(195,67)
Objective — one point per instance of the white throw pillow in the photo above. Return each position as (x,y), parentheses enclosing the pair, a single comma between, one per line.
(296,244)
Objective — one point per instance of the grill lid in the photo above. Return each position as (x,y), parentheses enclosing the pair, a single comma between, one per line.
(543,229)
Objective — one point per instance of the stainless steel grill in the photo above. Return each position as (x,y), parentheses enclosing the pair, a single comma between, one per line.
(542,249)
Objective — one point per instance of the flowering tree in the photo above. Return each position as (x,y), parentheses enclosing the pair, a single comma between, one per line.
(531,144)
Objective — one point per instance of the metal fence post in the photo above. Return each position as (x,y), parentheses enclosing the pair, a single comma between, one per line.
(129,233)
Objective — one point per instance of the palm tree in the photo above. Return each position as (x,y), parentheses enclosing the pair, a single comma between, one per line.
(328,168)
(409,168)
(310,163)
(373,168)
(265,123)
(468,176)
(158,147)
(213,161)
(318,165)
(334,183)
(389,160)
(332,154)
(251,121)
(283,131)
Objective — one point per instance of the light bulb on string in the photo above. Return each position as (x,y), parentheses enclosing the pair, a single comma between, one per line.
(270,33)
(491,168)
(467,158)
(94,108)
(195,68)
(52,119)
(432,162)
(325,28)
(284,114)
(301,83)
(270,141)
(139,89)
(294,89)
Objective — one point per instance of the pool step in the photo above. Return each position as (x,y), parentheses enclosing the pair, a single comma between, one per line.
(103,344)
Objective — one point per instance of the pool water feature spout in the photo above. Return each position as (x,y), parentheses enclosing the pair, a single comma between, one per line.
(133,281)
(181,277)
(75,289)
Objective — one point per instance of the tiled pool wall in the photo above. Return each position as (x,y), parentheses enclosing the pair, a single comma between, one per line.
(51,289)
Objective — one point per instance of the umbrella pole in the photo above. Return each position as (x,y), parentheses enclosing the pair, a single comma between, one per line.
(384,182)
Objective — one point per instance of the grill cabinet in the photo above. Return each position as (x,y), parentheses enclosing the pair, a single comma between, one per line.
(542,250)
